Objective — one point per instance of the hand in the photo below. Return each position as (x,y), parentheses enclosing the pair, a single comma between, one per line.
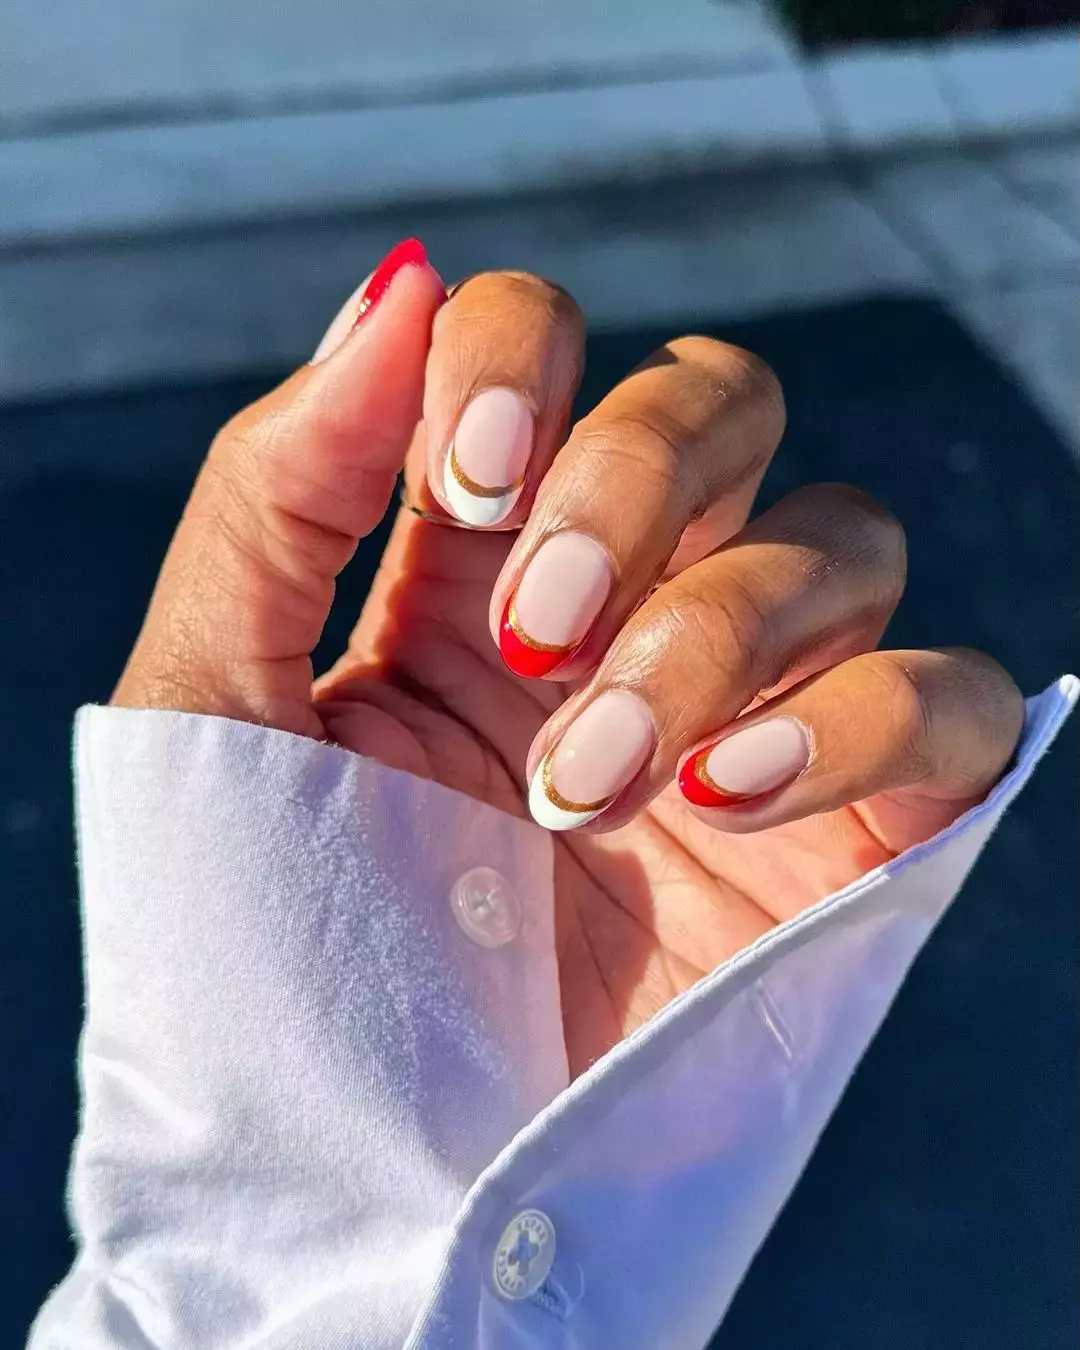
(701,712)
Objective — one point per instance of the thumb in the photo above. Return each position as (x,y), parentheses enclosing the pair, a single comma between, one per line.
(289,486)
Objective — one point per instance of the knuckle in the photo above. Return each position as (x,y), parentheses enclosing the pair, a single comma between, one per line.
(488,290)
(562,306)
(641,444)
(249,549)
(744,631)
(741,374)
(240,495)
(990,697)
(762,385)
(699,350)
(910,719)
(256,435)
(862,530)
(557,302)
(651,484)
(511,328)
(955,716)
(652,456)
(722,626)
(702,430)
(225,495)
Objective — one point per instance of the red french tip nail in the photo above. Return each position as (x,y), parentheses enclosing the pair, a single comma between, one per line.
(409,253)
(698,789)
(524,657)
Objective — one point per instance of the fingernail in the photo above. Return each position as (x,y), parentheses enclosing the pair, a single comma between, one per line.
(601,751)
(409,253)
(485,464)
(764,757)
(556,602)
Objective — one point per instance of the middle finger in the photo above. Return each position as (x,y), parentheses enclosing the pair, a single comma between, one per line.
(667,464)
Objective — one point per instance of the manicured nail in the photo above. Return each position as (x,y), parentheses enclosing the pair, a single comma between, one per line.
(409,253)
(764,757)
(601,751)
(557,600)
(485,464)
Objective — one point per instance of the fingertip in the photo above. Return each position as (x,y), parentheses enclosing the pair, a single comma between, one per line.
(405,254)
(405,273)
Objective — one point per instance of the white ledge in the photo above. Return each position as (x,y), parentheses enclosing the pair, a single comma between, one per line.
(132,181)
(143,179)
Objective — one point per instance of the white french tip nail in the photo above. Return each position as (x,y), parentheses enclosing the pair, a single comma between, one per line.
(546,813)
(475,510)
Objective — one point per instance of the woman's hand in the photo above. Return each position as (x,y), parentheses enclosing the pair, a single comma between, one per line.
(699,707)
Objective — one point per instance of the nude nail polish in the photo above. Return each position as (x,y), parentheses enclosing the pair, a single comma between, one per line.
(485,463)
(408,253)
(748,764)
(600,753)
(556,603)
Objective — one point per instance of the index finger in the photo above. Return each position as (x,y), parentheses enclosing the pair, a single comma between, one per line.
(504,366)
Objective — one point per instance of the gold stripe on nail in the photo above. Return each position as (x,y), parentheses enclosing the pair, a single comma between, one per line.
(556,798)
(702,774)
(522,636)
(477,489)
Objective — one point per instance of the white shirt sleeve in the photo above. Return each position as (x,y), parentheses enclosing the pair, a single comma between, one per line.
(327,1106)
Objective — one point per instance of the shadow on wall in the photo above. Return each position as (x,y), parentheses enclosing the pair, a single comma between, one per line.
(820,22)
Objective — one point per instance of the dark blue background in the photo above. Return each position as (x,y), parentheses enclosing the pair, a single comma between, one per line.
(939,1210)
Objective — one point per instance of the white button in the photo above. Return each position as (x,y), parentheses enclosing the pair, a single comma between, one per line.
(524,1254)
(486,907)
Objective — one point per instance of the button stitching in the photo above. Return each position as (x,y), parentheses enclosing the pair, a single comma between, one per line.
(486,907)
(524,1255)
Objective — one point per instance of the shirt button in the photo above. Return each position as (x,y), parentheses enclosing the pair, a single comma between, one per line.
(486,907)
(524,1254)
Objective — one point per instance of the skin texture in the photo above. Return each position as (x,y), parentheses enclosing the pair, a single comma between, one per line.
(712,623)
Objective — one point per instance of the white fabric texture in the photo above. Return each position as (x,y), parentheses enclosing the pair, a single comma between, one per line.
(312,1104)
